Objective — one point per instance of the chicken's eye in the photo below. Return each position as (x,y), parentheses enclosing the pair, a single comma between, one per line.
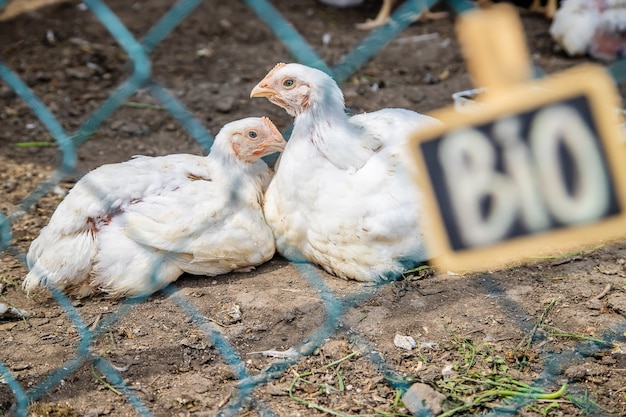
(252,134)
(288,83)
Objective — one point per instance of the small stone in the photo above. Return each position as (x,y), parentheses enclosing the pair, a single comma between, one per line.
(404,342)
(335,349)
(195,342)
(593,304)
(6,311)
(277,389)
(79,73)
(620,359)
(225,105)
(10,186)
(6,92)
(213,88)
(205,52)
(608,360)
(130,127)
(617,302)
(576,371)
(117,124)
(448,370)
(201,389)
(421,399)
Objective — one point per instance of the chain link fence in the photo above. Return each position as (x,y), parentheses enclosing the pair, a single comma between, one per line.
(138,51)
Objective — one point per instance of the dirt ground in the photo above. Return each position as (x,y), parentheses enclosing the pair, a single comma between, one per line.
(544,322)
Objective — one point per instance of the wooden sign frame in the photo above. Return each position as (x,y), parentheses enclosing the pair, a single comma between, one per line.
(588,81)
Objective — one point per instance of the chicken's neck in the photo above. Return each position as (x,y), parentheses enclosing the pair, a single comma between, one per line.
(244,178)
(329,130)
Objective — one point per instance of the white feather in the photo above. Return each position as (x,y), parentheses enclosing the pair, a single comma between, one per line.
(594,27)
(341,197)
(131,228)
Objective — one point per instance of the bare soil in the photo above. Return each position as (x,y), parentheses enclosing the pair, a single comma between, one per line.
(497,324)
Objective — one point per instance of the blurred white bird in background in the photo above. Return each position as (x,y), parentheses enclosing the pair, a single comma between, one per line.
(131,228)
(594,27)
(342,197)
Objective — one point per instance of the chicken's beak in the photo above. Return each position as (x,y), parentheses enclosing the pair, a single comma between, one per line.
(270,146)
(274,147)
(274,143)
(262,90)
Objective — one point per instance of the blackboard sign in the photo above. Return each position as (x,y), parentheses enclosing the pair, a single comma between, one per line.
(538,167)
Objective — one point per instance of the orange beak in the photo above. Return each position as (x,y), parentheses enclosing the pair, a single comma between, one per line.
(262,90)
(274,143)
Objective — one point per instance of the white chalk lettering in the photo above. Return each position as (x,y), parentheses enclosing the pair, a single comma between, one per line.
(589,200)
(468,160)
(494,182)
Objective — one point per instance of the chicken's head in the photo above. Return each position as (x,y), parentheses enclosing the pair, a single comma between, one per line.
(298,88)
(251,138)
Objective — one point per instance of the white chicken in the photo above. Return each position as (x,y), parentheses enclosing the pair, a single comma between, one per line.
(132,228)
(594,27)
(342,197)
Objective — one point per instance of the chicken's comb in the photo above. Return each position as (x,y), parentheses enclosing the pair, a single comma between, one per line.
(276,68)
(268,122)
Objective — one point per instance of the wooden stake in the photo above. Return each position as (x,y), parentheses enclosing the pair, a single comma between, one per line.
(494,47)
